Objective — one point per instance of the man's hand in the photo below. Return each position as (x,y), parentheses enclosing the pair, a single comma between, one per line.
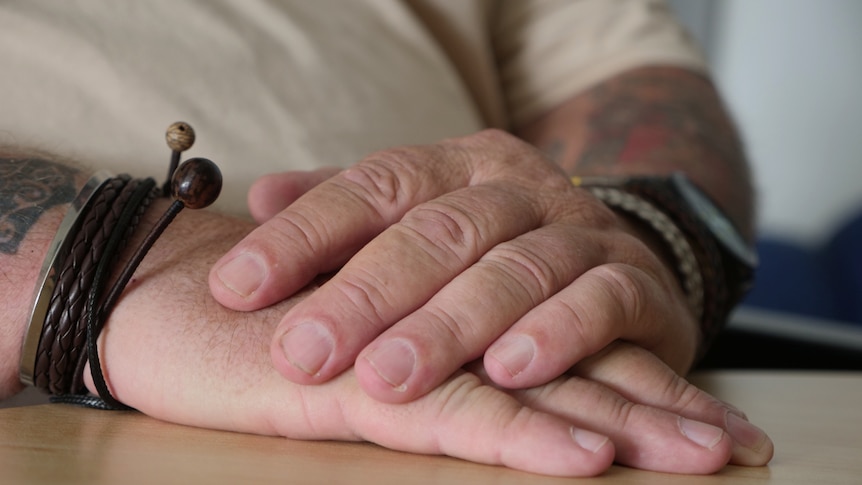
(172,352)
(445,253)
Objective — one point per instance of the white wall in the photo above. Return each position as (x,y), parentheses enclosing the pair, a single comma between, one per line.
(791,71)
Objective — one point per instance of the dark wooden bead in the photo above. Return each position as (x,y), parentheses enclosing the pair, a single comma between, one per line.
(196,183)
(180,136)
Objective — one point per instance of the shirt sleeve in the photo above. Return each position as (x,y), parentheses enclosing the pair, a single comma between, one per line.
(550,50)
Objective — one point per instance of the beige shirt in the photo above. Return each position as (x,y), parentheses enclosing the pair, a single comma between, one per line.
(279,85)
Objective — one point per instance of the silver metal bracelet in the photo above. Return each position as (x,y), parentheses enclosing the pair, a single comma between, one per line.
(54,259)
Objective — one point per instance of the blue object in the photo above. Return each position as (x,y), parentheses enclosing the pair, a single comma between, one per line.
(821,282)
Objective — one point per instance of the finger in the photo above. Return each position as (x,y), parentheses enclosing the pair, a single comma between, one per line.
(456,325)
(325,226)
(466,419)
(606,303)
(322,336)
(644,436)
(640,376)
(272,193)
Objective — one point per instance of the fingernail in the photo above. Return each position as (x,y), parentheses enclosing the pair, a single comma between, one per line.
(307,346)
(744,433)
(243,274)
(588,440)
(515,354)
(702,434)
(393,361)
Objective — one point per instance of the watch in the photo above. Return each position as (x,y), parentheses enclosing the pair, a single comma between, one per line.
(714,262)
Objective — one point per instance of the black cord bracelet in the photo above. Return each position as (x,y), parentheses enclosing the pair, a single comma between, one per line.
(63,334)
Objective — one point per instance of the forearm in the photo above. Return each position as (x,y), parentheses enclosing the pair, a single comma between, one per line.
(652,121)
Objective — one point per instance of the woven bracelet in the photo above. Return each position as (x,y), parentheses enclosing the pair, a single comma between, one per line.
(72,297)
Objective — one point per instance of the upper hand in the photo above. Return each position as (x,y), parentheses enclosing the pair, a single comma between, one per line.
(478,245)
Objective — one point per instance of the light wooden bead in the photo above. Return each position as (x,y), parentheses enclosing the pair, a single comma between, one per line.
(180,136)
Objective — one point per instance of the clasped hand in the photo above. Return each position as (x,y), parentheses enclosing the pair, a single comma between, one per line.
(480,248)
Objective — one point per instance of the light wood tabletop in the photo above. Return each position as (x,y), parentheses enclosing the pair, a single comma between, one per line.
(813,418)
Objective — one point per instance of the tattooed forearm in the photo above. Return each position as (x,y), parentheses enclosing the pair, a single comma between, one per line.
(651,121)
(655,115)
(28,188)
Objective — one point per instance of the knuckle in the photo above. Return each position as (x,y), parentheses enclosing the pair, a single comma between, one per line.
(463,394)
(367,293)
(296,229)
(624,287)
(456,331)
(680,393)
(378,181)
(392,178)
(444,225)
(621,412)
(526,268)
(688,400)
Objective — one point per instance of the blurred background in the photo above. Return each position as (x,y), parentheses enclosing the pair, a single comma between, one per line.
(789,71)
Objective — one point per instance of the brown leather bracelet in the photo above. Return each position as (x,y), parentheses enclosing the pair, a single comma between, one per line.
(73,298)
(57,253)
(62,338)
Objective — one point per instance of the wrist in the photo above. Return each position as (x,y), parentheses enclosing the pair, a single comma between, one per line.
(19,277)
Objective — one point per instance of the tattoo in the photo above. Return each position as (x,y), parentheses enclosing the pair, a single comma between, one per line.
(659,120)
(28,188)
(658,117)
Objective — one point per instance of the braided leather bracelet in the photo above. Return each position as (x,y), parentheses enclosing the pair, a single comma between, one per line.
(70,304)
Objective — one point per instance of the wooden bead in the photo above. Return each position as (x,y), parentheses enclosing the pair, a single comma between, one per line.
(196,183)
(180,136)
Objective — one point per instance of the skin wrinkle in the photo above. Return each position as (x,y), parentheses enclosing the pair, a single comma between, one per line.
(447,322)
(383,177)
(461,227)
(518,263)
(457,231)
(440,251)
(625,289)
(638,254)
(452,403)
(606,399)
(378,183)
(311,238)
(364,295)
(577,322)
(684,394)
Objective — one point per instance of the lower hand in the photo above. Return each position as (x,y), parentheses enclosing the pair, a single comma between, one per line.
(191,361)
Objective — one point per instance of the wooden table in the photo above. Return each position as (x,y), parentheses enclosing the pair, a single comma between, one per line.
(812,417)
